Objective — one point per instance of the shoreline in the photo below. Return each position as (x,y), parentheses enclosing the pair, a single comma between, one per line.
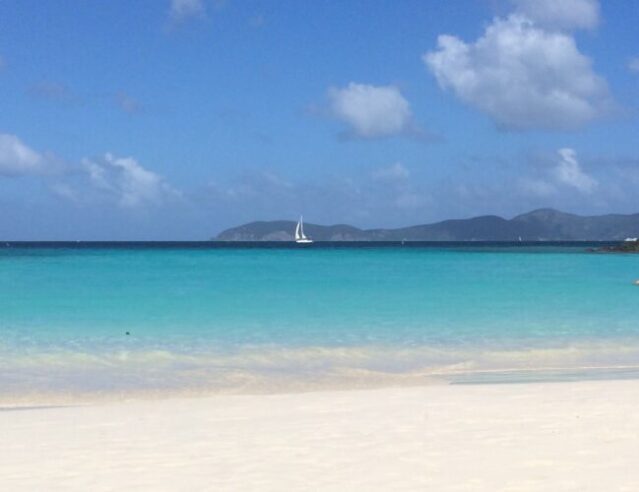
(300,385)
(66,376)
(537,436)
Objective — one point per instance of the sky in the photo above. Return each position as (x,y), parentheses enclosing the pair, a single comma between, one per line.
(175,119)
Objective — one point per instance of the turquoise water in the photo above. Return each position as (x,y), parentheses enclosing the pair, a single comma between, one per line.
(235,319)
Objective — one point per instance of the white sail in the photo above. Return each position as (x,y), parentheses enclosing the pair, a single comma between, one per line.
(298,236)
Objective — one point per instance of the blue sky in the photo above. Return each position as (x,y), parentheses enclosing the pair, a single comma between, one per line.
(175,119)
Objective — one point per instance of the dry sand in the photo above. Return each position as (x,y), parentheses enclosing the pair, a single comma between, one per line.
(581,436)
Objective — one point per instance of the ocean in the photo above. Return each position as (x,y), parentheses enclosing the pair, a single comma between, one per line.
(105,319)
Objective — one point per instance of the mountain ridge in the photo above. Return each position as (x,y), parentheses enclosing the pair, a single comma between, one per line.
(544,224)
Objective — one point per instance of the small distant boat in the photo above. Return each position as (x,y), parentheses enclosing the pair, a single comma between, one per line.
(631,239)
(300,237)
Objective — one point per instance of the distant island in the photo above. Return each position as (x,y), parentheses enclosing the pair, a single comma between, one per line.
(538,225)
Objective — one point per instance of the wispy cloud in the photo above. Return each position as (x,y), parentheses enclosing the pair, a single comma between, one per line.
(182,10)
(537,187)
(127,182)
(564,172)
(257,21)
(53,91)
(65,191)
(122,181)
(17,159)
(62,94)
(569,172)
(127,103)
(384,193)
(633,64)
(564,14)
(394,172)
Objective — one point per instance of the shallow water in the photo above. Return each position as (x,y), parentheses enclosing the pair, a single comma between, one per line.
(211,317)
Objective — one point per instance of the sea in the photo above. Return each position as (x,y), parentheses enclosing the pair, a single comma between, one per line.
(92,320)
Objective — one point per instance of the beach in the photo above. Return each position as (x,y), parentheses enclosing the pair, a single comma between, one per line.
(362,246)
(220,367)
(560,436)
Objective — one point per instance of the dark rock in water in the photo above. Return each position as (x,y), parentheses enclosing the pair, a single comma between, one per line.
(625,247)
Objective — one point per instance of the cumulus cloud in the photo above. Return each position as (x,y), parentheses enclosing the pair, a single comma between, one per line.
(633,64)
(182,10)
(371,111)
(522,75)
(561,14)
(569,172)
(126,181)
(17,159)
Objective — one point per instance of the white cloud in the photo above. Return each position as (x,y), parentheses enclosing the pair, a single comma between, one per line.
(561,14)
(564,172)
(16,158)
(633,64)
(119,179)
(184,9)
(394,172)
(521,75)
(371,111)
(129,183)
(569,172)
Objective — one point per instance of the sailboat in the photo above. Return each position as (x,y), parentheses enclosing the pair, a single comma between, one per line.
(300,238)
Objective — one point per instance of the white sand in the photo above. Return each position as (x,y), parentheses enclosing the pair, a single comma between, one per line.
(543,437)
